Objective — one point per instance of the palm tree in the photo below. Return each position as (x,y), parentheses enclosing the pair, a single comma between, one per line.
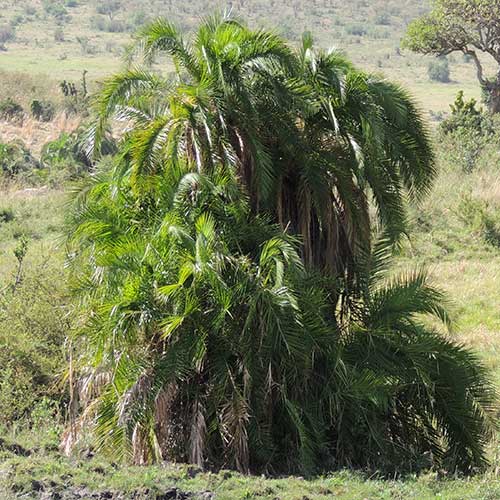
(216,261)
(310,137)
(428,395)
(207,340)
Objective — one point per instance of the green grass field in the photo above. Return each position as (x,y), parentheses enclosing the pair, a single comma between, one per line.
(83,477)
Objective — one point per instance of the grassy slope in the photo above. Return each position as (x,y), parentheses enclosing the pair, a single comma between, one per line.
(35,50)
(459,260)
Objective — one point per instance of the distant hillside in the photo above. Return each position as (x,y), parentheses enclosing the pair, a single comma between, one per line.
(60,38)
(339,19)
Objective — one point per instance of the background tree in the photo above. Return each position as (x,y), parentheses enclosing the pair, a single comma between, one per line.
(468,26)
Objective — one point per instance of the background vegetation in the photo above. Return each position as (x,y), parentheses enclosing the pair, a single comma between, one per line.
(53,40)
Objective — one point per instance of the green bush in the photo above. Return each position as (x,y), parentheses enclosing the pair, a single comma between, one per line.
(439,70)
(76,100)
(481,218)
(7,34)
(56,9)
(65,158)
(139,18)
(6,215)
(116,26)
(86,46)
(30,10)
(466,115)
(16,20)
(59,35)
(467,133)
(16,160)
(16,395)
(356,29)
(108,7)
(464,148)
(42,110)
(99,23)
(33,325)
(383,19)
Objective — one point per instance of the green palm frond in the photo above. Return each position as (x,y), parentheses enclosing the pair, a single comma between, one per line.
(231,285)
(162,36)
(405,297)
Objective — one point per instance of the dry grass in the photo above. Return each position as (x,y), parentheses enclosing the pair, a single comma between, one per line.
(34,134)
(24,86)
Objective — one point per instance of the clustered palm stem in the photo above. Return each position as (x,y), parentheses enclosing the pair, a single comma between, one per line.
(237,310)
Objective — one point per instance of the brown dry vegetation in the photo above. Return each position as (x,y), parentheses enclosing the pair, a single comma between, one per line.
(34,134)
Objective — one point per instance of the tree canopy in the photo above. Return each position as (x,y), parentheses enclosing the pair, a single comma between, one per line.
(468,26)
(311,138)
(233,264)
